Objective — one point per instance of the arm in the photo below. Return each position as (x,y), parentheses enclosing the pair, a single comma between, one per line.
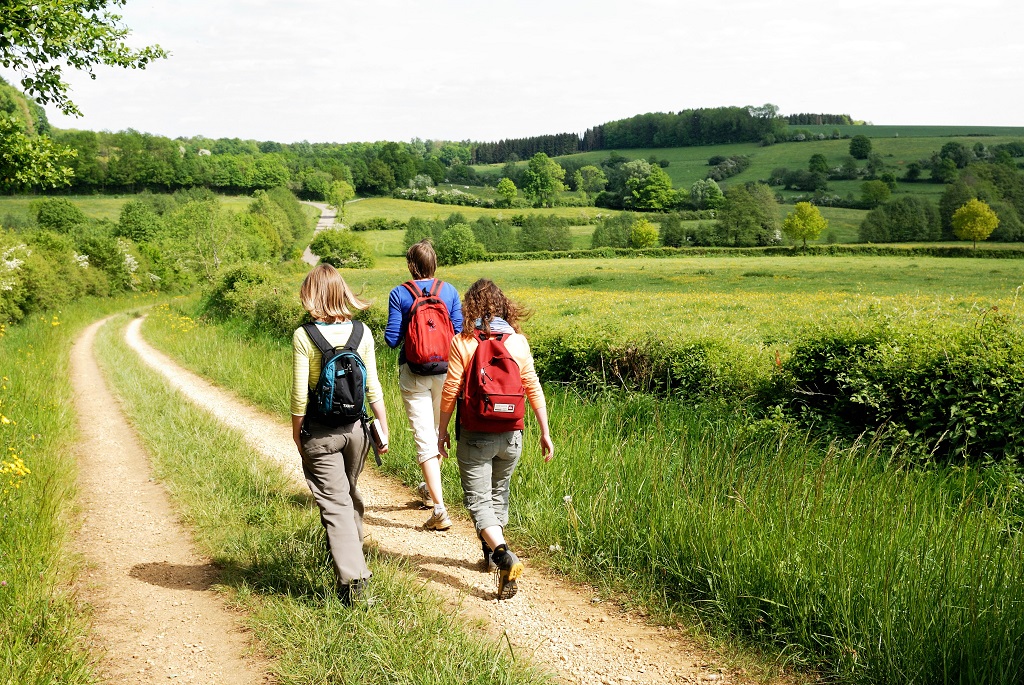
(393,332)
(455,309)
(547,448)
(444,441)
(296,430)
(380,415)
(300,384)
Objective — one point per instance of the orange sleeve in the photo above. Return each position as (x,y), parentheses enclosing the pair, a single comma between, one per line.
(523,356)
(459,356)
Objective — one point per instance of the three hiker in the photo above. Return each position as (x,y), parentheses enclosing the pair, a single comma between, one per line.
(486,369)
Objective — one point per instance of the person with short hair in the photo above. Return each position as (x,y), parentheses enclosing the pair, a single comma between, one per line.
(421,394)
(333,456)
(487,458)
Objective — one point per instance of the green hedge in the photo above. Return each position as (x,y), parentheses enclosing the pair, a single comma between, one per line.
(812,251)
(949,391)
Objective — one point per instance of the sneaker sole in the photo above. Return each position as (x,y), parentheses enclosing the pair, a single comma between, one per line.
(507,581)
(437,526)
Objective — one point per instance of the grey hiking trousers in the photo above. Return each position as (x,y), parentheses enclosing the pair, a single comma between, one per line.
(486,464)
(332,459)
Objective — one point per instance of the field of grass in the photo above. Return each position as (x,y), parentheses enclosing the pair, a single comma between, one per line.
(97,206)
(43,629)
(265,534)
(403,210)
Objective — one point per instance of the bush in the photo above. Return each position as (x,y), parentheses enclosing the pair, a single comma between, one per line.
(458,245)
(342,249)
(952,392)
(378,223)
(643,234)
(138,222)
(59,214)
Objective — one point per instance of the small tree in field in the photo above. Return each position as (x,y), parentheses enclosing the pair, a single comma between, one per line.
(339,193)
(804,222)
(974,221)
(643,234)
(860,147)
(508,191)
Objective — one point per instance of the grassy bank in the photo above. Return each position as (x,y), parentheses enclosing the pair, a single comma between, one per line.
(42,628)
(839,559)
(266,536)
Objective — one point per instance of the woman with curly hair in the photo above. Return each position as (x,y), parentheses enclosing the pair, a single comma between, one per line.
(489,449)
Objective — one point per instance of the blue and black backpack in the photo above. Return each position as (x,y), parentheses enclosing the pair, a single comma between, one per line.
(339,395)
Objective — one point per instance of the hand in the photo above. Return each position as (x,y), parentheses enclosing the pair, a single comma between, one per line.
(444,443)
(547,447)
(298,445)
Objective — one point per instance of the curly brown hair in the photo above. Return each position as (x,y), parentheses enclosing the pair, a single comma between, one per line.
(485,301)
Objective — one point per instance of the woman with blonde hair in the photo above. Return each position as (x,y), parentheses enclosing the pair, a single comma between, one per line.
(333,449)
(490,366)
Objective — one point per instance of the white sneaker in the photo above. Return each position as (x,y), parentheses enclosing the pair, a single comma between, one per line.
(424,492)
(438,520)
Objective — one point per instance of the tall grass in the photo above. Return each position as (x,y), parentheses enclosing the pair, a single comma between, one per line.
(266,535)
(42,628)
(841,559)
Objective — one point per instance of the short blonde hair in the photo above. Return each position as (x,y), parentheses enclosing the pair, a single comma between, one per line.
(327,297)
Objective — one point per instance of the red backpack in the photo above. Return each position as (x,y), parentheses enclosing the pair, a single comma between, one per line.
(429,333)
(493,399)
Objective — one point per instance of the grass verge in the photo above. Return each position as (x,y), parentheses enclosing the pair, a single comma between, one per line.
(266,536)
(42,628)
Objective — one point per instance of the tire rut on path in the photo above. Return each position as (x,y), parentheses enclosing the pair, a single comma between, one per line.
(559,624)
(155,616)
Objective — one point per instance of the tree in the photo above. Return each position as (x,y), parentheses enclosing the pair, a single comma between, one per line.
(874,193)
(27,160)
(750,216)
(643,234)
(706,194)
(974,221)
(860,146)
(508,191)
(41,37)
(591,179)
(543,179)
(138,222)
(818,163)
(340,193)
(649,186)
(458,245)
(804,222)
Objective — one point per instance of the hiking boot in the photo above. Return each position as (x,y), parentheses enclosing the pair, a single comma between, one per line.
(356,593)
(488,564)
(509,569)
(424,492)
(438,520)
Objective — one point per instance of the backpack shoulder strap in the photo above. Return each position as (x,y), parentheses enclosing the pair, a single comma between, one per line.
(413,290)
(318,339)
(355,337)
(435,288)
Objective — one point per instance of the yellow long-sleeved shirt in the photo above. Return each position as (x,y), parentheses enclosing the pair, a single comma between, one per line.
(306,362)
(461,354)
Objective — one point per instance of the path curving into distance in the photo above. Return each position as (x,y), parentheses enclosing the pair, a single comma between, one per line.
(155,617)
(558,623)
(326,221)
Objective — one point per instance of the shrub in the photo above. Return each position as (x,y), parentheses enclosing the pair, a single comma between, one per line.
(950,392)
(642,233)
(342,249)
(458,245)
(59,214)
(138,222)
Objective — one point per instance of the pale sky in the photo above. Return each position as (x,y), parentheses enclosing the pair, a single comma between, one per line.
(339,71)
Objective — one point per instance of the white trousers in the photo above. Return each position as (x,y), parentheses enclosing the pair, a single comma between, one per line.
(422,398)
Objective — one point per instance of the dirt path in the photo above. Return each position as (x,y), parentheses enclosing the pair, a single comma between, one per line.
(559,624)
(155,617)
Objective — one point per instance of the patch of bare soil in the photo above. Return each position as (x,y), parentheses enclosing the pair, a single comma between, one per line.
(155,617)
(557,624)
